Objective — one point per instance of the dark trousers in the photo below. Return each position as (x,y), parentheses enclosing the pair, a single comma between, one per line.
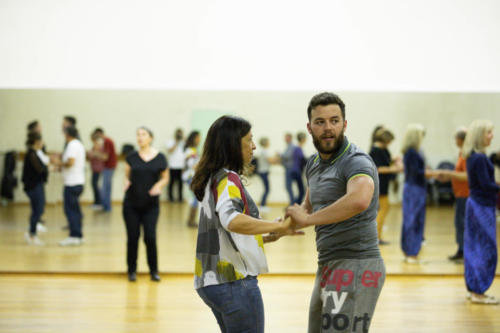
(237,305)
(460,204)
(135,217)
(175,177)
(72,209)
(265,180)
(37,201)
(95,187)
(294,175)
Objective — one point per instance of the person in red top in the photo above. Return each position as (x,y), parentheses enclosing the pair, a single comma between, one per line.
(461,192)
(110,160)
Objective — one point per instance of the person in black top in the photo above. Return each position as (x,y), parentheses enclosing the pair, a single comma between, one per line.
(387,169)
(146,174)
(35,173)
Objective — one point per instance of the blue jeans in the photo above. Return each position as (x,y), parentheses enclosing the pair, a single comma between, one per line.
(72,209)
(37,201)
(294,175)
(265,179)
(237,305)
(460,204)
(107,175)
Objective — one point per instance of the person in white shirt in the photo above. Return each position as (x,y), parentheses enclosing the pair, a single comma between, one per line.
(176,161)
(73,171)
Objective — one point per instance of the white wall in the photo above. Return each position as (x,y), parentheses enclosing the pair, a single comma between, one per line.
(387,45)
(272,114)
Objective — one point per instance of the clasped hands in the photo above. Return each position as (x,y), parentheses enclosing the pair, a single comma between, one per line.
(294,219)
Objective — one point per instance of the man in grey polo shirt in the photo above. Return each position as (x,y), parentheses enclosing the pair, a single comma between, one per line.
(341,203)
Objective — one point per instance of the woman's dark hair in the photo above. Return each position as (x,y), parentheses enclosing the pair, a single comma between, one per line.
(222,149)
(190,140)
(374,134)
(383,135)
(33,137)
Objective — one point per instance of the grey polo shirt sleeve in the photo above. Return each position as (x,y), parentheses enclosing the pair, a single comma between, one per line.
(310,162)
(359,165)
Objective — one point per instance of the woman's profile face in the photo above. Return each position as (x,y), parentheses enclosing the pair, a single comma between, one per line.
(488,136)
(247,148)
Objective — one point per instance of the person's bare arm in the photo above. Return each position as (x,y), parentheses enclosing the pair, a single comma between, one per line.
(357,198)
(160,184)
(247,225)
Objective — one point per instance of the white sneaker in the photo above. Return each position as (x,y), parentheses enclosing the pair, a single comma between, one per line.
(71,241)
(28,238)
(412,260)
(96,207)
(33,240)
(484,300)
(40,227)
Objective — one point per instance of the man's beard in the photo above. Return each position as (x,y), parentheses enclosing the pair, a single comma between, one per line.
(339,141)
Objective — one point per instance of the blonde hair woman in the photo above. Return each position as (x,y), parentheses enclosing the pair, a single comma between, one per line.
(414,192)
(480,248)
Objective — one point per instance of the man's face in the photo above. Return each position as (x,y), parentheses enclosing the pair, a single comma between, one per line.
(459,142)
(288,138)
(65,124)
(327,128)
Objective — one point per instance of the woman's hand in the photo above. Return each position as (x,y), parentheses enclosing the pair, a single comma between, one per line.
(126,185)
(155,190)
(274,236)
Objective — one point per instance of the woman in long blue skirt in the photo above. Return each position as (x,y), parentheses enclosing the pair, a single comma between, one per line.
(480,244)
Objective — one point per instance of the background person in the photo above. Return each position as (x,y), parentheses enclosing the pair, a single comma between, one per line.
(177,162)
(146,174)
(34,176)
(480,238)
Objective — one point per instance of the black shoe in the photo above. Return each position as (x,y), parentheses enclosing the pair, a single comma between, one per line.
(457,256)
(155,277)
(383,242)
(132,277)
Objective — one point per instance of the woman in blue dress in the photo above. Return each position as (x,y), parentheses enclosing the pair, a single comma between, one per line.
(480,244)
(414,193)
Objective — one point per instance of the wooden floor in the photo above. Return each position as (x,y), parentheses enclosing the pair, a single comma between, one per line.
(105,238)
(84,289)
(109,303)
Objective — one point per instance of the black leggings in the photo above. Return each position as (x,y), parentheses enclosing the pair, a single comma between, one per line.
(134,217)
(175,177)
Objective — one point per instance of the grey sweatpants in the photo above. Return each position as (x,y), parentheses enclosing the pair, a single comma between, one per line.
(345,294)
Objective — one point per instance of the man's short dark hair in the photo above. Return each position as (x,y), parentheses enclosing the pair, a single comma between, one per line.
(32,125)
(99,130)
(71,120)
(324,99)
(71,131)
